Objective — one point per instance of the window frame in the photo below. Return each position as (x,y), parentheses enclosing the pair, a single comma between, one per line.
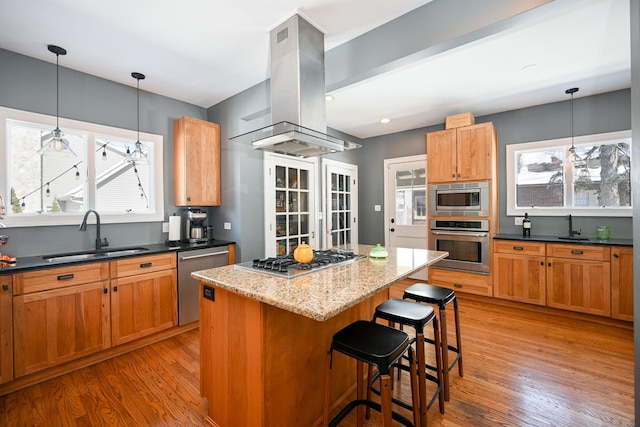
(513,149)
(93,131)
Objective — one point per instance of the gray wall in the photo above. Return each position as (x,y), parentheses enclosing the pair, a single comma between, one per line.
(29,84)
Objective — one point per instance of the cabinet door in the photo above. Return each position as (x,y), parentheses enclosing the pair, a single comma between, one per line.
(196,162)
(475,152)
(6,331)
(59,325)
(579,285)
(441,156)
(622,283)
(520,278)
(142,305)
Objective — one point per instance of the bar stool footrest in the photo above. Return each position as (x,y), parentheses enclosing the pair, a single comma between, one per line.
(373,405)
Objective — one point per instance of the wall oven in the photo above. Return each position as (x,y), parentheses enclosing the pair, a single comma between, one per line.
(459,199)
(467,242)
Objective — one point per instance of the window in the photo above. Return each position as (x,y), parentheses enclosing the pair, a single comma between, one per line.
(545,177)
(54,188)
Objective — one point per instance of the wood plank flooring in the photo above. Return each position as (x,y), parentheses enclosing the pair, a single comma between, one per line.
(521,368)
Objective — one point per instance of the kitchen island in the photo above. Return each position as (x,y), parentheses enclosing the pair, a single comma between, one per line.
(264,339)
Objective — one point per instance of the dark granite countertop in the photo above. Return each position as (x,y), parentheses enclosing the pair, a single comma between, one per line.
(38,261)
(555,239)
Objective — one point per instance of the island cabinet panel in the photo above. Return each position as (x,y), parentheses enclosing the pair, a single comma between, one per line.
(519,271)
(622,283)
(59,325)
(270,361)
(143,304)
(6,329)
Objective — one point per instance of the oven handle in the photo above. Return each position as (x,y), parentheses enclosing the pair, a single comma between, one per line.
(458,233)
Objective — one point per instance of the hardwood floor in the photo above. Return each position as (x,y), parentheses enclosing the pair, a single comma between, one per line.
(521,368)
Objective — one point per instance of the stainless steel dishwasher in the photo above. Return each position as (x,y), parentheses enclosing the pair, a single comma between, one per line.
(188,287)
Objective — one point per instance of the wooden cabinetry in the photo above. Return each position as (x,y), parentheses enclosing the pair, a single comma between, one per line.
(59,314)
(473,283)
(461,154)
(143,296)
(6,330)
(196,162)
(622,283)
(579,278)
(519,271)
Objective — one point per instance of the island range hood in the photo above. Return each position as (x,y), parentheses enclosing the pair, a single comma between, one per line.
(298,108)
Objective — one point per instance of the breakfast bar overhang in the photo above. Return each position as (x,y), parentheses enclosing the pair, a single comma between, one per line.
(264,339)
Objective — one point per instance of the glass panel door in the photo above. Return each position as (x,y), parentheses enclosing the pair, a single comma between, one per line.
(342,207)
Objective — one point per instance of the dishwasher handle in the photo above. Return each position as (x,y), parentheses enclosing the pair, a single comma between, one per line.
(185,258)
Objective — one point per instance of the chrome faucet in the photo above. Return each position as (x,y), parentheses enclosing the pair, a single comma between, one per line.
(83,227)
(572,232)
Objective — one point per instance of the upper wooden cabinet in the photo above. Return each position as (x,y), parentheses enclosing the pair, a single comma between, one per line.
(462,154)
(196,162)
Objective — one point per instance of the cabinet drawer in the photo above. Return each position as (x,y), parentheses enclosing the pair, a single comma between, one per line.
(518,247)
(60,277)
(144,264)
(594,253)
(461,281)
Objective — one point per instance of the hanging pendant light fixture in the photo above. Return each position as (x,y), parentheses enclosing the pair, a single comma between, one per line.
(55,141)
(572,150)
(138,156)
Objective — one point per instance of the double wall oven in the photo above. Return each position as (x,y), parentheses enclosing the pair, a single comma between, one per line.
(452,229)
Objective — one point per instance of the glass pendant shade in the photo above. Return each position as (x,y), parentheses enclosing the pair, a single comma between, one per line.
(138,155)
(572,149)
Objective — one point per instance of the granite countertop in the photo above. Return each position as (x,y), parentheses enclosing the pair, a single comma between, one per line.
(555,239)
(323,294)
(37,261)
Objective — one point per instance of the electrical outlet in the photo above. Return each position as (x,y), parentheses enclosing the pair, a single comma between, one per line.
(165,227)
(377,208)
(518,220)
(227,226)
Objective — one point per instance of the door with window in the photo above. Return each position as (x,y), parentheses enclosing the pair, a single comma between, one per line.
(289,203)
(405,189)
(341,204)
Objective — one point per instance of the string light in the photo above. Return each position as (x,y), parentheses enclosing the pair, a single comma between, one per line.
(104,152)
(47,192)
(77,172)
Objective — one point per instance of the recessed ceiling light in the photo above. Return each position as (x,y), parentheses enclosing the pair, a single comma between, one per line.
(385,120)
(329,98)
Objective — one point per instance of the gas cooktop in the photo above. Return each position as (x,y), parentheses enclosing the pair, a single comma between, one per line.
(286,266)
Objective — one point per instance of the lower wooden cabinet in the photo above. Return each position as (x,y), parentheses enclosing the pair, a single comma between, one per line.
(59,325)
(6,329)
(622,283)
(479,284)
(519,271)
(142,305)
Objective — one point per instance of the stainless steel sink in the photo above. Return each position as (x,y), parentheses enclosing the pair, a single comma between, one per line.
(79,256)
(573,238)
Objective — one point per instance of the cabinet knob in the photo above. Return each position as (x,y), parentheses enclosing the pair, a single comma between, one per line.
(115,289)
(549,264)
(5,286)
(616,256)
(541,263)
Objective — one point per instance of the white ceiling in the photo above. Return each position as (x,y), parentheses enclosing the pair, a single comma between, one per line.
(204,51)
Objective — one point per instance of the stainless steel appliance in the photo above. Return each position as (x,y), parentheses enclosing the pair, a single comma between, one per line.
(467,242)
(286,266)
(459,199)
(188,287)
(195,227)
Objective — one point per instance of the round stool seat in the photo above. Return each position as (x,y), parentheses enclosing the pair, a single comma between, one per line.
(371,343)
(405,312)
(430,294)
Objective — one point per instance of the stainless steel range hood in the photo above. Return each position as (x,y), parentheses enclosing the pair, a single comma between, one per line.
(298,108)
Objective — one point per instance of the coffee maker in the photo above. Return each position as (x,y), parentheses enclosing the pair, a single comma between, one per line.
(195,227)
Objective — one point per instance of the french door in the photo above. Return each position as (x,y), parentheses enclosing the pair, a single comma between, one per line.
(340,204)
(290,203)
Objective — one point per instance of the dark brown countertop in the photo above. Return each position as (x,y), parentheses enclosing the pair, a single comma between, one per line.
(39,261)
(556,239)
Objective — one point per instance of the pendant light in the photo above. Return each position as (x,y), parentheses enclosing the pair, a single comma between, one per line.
(572,150)
(55,141)
(138,156)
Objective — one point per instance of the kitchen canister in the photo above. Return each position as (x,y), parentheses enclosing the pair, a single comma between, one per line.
(603,232)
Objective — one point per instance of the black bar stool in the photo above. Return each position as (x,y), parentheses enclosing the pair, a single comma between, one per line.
(441,297)
(380,346)
(416,315)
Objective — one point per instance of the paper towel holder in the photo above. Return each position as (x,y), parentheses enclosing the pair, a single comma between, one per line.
(175,228)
